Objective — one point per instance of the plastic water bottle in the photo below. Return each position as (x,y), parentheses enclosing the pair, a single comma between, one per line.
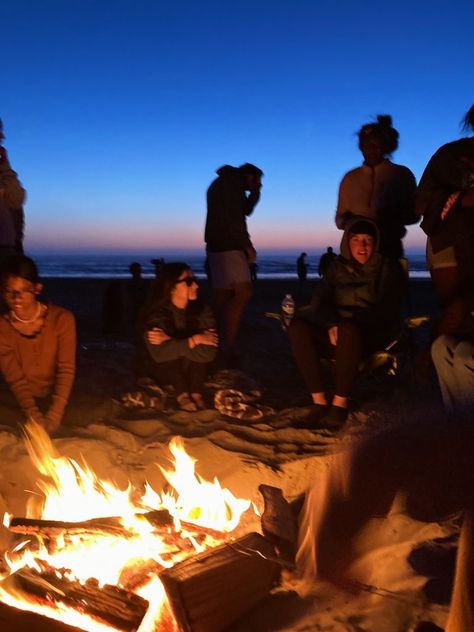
(287,310)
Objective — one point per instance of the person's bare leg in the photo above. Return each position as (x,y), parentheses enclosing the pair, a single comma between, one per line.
(233,312)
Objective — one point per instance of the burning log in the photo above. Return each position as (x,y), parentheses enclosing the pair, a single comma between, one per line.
(95,526)
(279,523)
(210,590)
(110,605)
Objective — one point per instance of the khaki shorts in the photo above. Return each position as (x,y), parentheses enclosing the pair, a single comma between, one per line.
(445,258)
(228,268)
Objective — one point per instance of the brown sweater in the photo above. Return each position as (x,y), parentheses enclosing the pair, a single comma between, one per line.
(41,365)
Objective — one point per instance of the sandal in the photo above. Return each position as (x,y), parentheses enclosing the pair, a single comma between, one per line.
(185,403)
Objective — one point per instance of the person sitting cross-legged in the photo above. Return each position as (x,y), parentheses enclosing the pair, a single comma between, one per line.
(355,312)
(179,333)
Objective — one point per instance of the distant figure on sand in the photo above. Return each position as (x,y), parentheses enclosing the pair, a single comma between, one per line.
(325,261)
(430,464)
(355,312)
(12,198)
(37,348)
(253,267)
(446,200)
(231,198)
(135,292)
(302,267)
(158,263)
(180,336)
(379,189)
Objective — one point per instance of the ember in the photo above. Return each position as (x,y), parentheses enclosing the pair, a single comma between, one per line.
(94,553)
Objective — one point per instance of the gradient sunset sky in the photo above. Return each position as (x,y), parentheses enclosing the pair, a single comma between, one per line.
(118,113)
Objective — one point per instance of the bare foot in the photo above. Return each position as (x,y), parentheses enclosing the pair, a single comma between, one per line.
(186,403)
(198,400)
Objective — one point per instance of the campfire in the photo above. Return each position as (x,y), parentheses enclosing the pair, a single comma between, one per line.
(102,558)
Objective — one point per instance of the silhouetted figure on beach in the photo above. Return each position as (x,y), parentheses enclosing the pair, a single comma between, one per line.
(430,464)
(302,267)
(12,197)
(253,267)
(158,263)
(135,292)
(379,189)
(231,198)
(325,261)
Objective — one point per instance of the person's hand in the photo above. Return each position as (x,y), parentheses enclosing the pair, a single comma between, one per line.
(332,333)
(157,336)
(251,254)
(51,425)
(206,337)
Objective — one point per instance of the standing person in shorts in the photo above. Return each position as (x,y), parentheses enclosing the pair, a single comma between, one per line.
(231,198)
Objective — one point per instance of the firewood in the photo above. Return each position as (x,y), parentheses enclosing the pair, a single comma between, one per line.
(210,590)
(108,604)
(278,523)
(161,520)
(137,573)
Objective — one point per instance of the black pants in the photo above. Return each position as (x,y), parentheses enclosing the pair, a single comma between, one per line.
(184,375)
(310,343)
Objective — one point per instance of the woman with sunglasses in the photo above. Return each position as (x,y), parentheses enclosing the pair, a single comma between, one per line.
(180,335)
(37,347)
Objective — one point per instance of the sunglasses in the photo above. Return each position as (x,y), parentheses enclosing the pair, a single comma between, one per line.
(188,280)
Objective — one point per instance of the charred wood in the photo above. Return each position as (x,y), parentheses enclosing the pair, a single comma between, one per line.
(210,590)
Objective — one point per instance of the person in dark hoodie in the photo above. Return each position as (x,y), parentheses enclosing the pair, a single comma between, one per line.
(231,198)
(355,312)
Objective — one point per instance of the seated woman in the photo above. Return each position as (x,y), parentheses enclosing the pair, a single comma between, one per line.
(180,335)
(37,346)
(356,311)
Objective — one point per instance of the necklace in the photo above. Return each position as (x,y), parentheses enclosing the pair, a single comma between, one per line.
(29,320)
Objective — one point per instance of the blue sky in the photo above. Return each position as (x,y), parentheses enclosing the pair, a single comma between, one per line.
(118,113)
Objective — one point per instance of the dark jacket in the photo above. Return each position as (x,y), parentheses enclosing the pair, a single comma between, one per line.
(369,294)
(448,171)
(180,324)
(228,205)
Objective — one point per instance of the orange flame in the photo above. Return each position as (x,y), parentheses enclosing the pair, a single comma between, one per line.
(73,493)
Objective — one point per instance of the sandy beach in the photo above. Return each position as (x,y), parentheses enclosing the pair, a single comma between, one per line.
(124,441)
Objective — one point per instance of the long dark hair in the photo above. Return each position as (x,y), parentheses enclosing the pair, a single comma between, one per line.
(383,130)
(20,266)
(468,121)
(161,287)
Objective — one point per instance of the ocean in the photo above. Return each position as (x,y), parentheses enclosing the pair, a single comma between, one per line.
(115,266)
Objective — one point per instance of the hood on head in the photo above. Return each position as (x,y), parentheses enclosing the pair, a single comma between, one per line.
(228,170)
(368,226)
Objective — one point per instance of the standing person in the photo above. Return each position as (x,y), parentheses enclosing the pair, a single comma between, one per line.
(231,198)
(302,267)
(356,311)
(380,189)
(445,198)
(325,261)
(37,346)
(12,197)
(180,336)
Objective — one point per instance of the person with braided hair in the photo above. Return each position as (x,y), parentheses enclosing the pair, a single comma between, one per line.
(379,189)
